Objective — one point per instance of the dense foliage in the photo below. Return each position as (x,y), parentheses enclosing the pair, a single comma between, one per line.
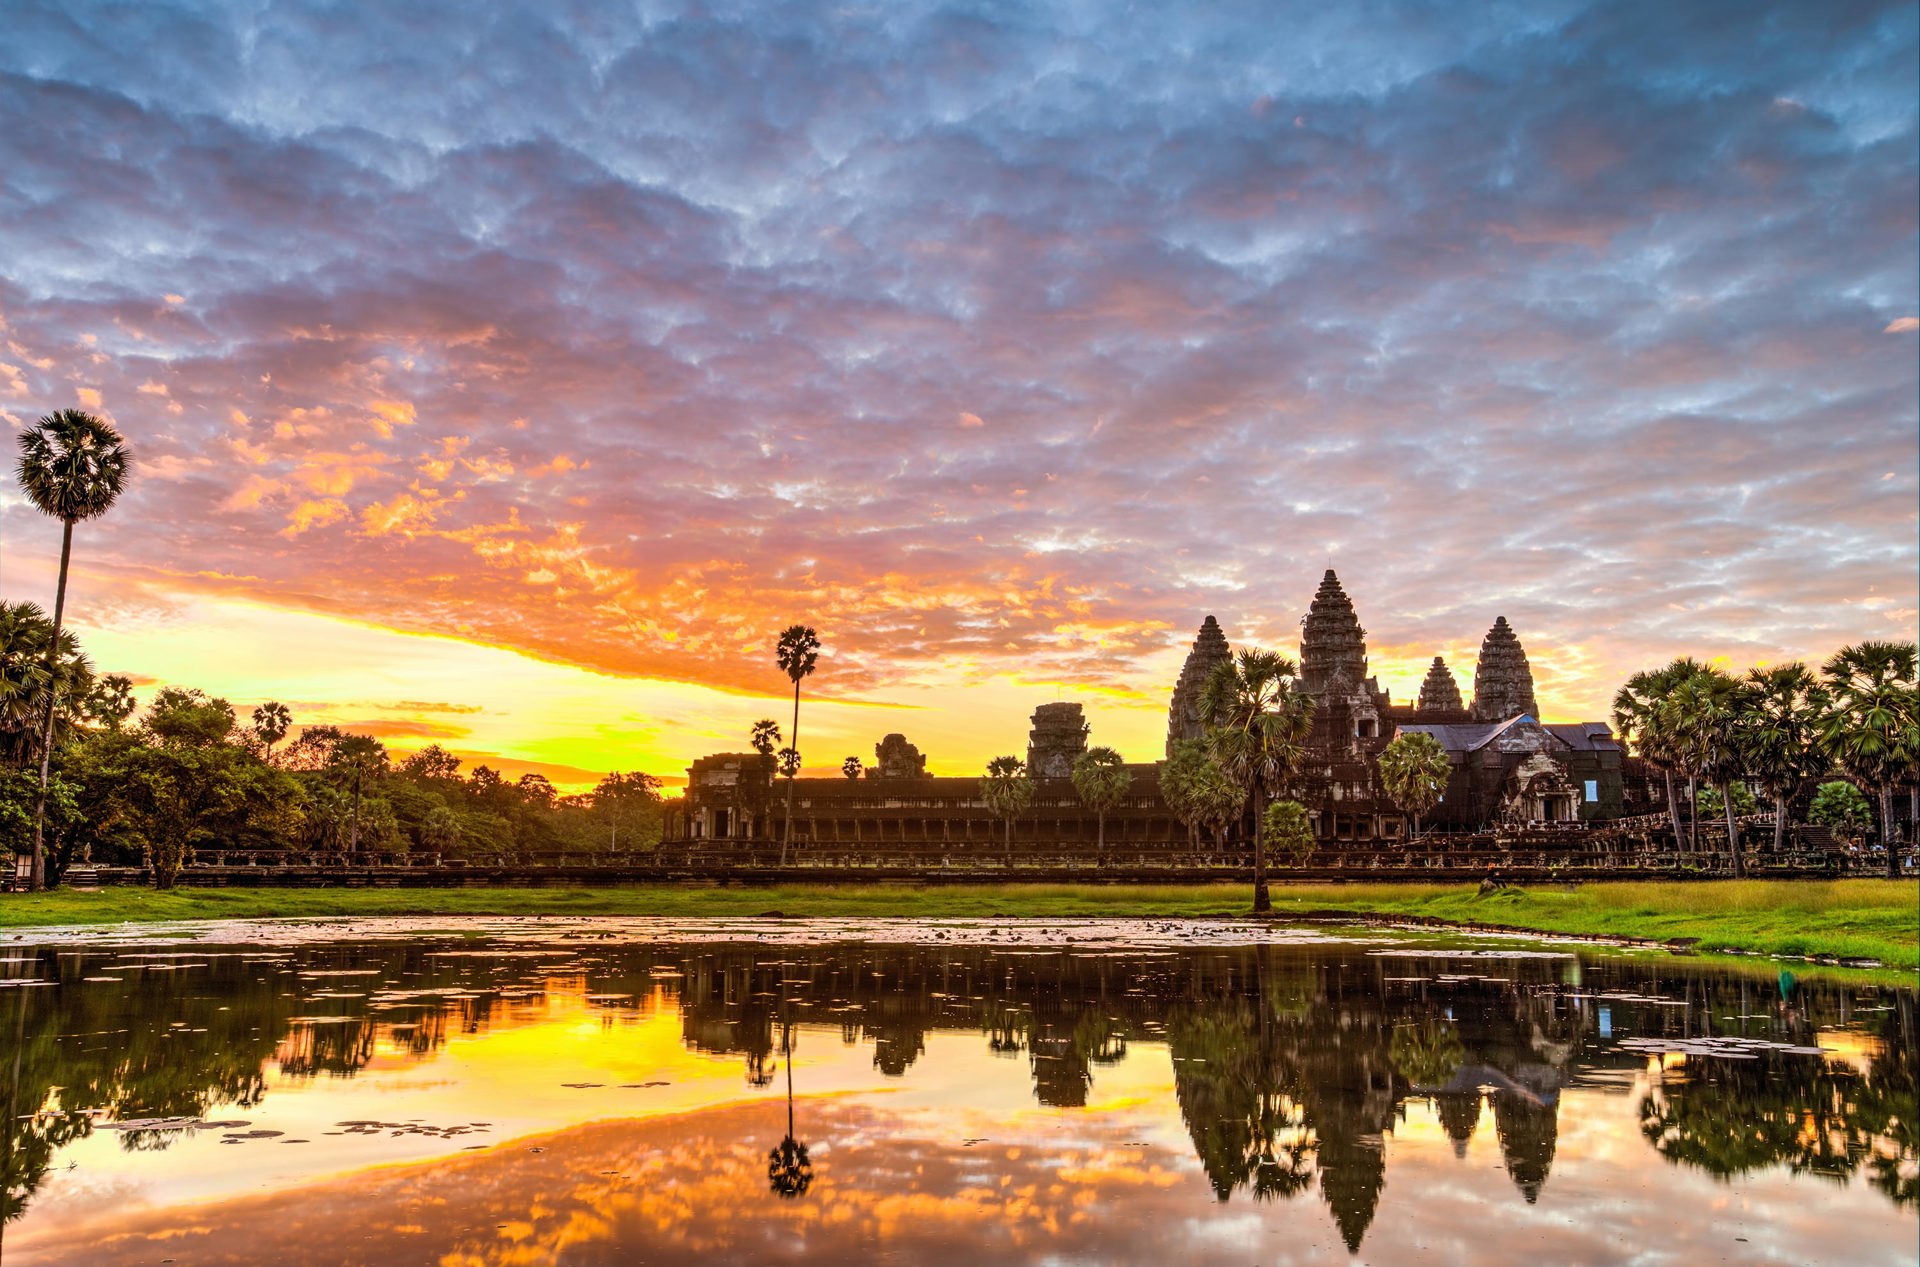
(1781,729)
(189,775)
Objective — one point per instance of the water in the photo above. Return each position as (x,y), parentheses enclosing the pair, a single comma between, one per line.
(604,1091)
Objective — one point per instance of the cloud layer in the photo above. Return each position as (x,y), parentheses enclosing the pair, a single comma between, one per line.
(986,341)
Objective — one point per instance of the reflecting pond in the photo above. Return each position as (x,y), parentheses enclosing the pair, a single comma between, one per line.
(604,1091)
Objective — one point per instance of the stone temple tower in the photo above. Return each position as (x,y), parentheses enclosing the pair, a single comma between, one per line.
(1348,705)
(1058,738)
(1183,717)
(1333,646)
(1440,693)
(1502,681)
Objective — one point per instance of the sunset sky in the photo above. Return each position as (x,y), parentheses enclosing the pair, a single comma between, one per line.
(508,376)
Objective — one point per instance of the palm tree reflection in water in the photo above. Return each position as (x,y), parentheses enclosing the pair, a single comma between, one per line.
(789,1169)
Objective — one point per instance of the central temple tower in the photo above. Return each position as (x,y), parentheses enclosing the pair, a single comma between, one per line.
(1333,668)
(1333,646)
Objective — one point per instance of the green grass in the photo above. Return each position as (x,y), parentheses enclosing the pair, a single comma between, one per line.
(1866,919)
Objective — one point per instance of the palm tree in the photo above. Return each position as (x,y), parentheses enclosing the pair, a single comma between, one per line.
(1008,790)
(766,736)
(111,701)
(789,1169)
(72,466)
(1257,725)
(1872,727)
(355,757)
(1637,716)
(851,767)
(1414,771)
(1102,781)
(1703,715)
(270,723)
(1779,735)
(798,650)
(27,689)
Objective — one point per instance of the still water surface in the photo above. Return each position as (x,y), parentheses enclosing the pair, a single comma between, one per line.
(600,1091)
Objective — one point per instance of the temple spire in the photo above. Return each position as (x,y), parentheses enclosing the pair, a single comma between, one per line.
(1440,693)
(1502,681)
(1183,717)
(1332,643)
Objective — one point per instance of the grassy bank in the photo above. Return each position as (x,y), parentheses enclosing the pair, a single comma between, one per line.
(1867,919)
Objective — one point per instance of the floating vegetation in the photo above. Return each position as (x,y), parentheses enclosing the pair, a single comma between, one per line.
(1719,1047)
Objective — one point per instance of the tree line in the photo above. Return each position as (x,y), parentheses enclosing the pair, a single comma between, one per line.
(1783,729)
(189,773)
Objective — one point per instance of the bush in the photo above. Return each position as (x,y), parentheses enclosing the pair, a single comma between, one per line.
(1840,805)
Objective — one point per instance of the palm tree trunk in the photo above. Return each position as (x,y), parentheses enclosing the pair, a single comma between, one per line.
(1100,834)
(38,880)
(353,836)
(1886,831)
(1693,815)
(1733,833)
(1673,805)
(1779,823)
(1262,900)
(786,837)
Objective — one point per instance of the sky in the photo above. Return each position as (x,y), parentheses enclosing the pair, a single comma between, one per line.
(509,376)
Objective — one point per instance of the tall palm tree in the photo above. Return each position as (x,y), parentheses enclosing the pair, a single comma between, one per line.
(1703,715)
(1258,720)
(270,723)
(1637,716)
(72,466)
(797,652)
(1779,735)
(1102,781)
(1008,791)
(1872,726)
(851,767)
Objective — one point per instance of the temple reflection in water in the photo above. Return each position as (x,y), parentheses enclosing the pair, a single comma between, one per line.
(1292,1068)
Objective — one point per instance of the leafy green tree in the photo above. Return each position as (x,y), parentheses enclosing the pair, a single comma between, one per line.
(1872,727)
(182,780)
(1257,725)
(1288,830)
(631,801)
(1640,718)
(1779,735)
(270,724)
(796,653)
(1180,775)
(1711,804)
(72,466)
(1008,791)
(1102,781)
(851,767)
(536,789)
(1414,770)
(433,766)
(1838,804)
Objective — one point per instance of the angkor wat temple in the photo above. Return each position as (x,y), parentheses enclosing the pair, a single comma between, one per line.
(1508,768)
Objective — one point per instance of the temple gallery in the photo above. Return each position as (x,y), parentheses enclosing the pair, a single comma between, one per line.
(1507,767)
